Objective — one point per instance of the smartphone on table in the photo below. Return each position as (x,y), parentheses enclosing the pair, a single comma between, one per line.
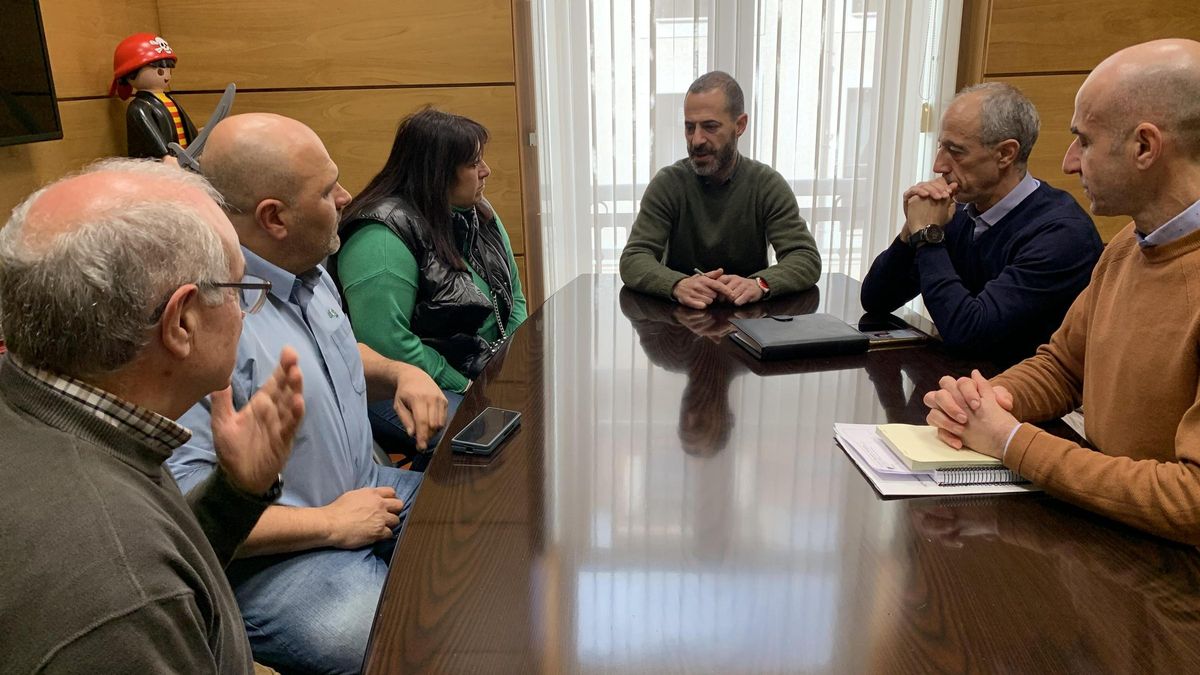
(886,330)
(486,432)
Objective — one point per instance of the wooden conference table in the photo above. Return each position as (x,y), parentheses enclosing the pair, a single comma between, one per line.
(672,505)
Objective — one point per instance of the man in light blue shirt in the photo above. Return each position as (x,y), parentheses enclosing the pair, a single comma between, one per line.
(311,571)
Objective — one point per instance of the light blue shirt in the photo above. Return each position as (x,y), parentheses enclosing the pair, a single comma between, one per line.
(332,452)
(984,221)
(1176,228)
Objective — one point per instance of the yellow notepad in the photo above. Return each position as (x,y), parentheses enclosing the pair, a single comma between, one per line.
(920,449)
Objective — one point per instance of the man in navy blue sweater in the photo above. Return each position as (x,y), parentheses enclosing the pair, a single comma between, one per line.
(997,255)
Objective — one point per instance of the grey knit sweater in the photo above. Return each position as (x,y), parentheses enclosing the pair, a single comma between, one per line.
(106,567)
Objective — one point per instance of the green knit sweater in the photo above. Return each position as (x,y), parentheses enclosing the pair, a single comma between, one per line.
(686,223)
(379,278)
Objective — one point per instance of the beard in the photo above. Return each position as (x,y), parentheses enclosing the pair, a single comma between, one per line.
(308,242)
(721,159)
(335,243)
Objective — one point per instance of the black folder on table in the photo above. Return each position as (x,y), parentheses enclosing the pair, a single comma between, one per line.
(787,337)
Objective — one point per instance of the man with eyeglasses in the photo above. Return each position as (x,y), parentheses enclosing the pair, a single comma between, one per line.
(309,576)
(119,314)
(997,255)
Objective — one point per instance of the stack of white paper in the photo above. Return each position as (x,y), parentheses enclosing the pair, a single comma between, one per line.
(892,478)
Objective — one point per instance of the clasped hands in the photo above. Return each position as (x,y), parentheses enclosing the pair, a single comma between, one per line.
(927,203)
(971,412)
(701,290)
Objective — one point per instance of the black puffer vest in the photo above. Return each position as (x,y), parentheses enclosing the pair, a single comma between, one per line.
(450,308)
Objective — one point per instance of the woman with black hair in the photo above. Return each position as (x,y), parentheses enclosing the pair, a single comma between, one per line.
(426,267)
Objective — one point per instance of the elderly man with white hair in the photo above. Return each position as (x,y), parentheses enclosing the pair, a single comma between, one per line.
(120,290)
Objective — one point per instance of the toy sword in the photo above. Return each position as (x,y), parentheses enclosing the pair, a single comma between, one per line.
(189,158)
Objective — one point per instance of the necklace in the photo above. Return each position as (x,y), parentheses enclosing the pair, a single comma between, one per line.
(493,347)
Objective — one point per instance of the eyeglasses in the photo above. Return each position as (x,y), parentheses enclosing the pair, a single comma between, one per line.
(252,295)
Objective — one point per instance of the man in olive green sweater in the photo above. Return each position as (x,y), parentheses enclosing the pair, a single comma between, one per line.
(702,232)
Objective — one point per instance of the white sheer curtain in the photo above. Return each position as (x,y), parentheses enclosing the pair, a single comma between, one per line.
(843,96)
(836,91)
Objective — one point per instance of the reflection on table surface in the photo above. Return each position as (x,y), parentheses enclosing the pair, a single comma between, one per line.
(671,504)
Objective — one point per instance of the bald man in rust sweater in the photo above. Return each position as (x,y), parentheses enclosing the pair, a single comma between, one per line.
(1128,348)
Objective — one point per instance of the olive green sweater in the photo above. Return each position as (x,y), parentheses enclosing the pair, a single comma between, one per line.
(687,223)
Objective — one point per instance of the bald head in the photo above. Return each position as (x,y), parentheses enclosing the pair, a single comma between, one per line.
(256,156)
(108,189)
(1156,82)
(280,186)
(93,255)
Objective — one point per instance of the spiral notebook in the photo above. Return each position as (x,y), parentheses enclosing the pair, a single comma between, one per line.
(974,475)
(891,477)
(920,450)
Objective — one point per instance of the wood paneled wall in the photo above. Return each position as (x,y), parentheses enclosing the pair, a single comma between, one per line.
(357,126)
(351,71)
(80,37)
(1047,47)
(280,44)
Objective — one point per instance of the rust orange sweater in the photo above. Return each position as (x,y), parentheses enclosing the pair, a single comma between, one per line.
(1129,350)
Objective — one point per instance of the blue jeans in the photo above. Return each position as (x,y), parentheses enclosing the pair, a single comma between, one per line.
(390,433)
(311,612)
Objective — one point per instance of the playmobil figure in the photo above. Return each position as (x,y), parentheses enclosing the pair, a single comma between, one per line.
(143,63)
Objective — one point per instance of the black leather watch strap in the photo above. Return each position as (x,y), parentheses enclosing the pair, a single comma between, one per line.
(274,491)
(931,234)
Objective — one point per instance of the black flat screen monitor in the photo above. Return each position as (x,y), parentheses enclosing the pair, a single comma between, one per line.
(28,109)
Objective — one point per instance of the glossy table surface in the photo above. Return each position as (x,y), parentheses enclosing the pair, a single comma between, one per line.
(670,504)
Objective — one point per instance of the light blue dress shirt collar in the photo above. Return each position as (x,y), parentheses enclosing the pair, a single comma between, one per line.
(282,281)
(1015,196)
(1176,228)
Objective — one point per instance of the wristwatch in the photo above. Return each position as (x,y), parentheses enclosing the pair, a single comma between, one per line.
(930,234)
(762,283)
(274,491)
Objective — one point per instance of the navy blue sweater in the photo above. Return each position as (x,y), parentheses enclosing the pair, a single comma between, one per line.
(1002,296)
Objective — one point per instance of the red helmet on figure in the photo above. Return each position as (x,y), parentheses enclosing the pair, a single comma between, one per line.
(134,52)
